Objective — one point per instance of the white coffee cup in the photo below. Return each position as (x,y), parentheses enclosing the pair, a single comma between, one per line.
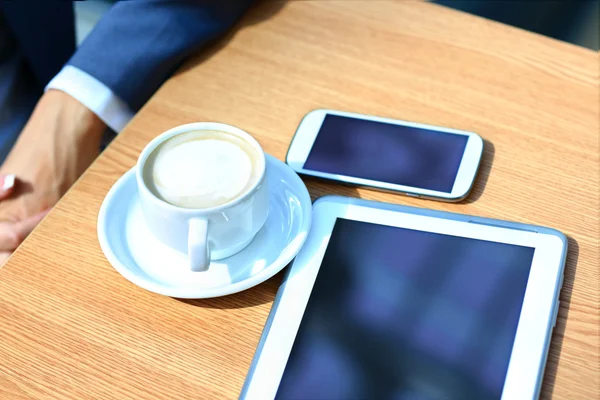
(207,233)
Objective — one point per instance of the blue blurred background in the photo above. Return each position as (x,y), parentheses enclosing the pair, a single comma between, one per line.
(573,21)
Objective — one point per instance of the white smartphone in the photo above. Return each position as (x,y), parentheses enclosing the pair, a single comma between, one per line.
(405,157)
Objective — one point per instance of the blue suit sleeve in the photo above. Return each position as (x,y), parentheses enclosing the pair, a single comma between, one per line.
(138,44)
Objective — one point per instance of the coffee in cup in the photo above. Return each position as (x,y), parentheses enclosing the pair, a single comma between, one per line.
(202,169)
(203,190)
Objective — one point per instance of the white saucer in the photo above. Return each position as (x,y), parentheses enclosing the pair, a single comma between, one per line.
(137,255)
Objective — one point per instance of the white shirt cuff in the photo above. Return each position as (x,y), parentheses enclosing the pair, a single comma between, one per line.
(93,94)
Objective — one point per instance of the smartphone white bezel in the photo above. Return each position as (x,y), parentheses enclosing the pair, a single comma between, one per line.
(538,313)
(311,124)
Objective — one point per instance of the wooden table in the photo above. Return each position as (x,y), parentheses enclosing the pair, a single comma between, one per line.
(72,327)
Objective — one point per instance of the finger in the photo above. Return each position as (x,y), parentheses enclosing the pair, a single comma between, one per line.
(4,256)
(12,234)
(7,186)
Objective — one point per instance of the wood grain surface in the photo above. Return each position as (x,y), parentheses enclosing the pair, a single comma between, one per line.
(71,327)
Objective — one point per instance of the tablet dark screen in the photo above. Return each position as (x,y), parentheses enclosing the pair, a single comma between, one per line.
(404,314)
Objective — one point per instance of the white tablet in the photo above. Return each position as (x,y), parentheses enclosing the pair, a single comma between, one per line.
(393,302)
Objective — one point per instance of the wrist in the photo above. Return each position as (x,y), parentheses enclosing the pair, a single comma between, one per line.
(72,120)
(60,140)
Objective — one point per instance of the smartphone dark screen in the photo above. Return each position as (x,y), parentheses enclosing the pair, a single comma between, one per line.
(389,153)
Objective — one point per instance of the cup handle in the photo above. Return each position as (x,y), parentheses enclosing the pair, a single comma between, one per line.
(198,250)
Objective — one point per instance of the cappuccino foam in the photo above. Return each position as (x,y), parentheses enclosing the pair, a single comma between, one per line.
(201,169)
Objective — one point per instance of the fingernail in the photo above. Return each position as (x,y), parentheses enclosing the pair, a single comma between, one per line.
(9,182)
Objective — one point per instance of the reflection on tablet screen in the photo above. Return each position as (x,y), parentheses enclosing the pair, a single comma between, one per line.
(403,314)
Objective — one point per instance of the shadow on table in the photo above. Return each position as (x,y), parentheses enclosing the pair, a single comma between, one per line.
(563,313)
(485,167)
(257,13)
(318,187)
(255,296)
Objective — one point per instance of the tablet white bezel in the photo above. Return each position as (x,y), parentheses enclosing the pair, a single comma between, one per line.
(535,322)
(308,130)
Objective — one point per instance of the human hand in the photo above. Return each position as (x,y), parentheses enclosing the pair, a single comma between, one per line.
(13,233)
(60,140)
